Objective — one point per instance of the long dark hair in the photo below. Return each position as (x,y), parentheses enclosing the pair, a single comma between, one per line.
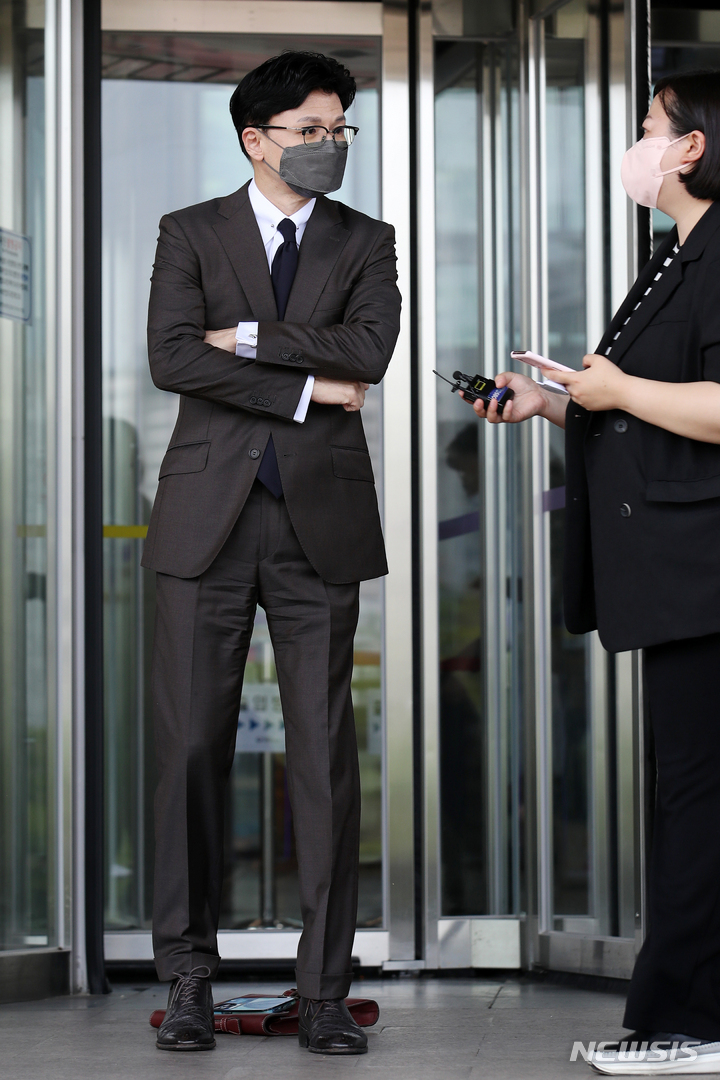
(691,100)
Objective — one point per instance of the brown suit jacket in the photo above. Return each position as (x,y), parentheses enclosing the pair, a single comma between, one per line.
(342,321)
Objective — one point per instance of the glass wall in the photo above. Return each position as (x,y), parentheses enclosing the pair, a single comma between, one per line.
(462,699)
(566,44)
(168,142)
(477,224)
(585,241)
(523,263)
(26,734)
(522,183)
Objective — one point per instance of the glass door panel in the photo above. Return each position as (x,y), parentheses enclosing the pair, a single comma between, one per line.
(565,48)
(476,269)
(584,810)
(463,781)
(27,759)
(530,248)
(168,142)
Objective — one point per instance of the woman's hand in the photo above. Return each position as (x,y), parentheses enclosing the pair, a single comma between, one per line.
(530,400)
(222,339)
(599,387)
(688,409)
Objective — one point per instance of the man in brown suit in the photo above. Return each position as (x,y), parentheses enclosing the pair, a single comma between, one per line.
(271,311)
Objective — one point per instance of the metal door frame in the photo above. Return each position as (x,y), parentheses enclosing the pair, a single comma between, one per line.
(546,947)
(528,939)
(488,942)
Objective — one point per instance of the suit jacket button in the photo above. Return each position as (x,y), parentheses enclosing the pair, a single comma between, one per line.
(254,453)
(284,355)
(620,426)
(253,401)
(625,510)
(266,401)
(298,359)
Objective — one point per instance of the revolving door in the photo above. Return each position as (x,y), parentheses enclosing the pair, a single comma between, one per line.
(501,758)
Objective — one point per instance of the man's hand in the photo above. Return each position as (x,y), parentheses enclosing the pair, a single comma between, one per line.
(601,386)
(222,339)
(351,395)
(530,400)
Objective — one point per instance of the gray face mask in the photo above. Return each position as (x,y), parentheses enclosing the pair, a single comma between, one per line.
(312,170)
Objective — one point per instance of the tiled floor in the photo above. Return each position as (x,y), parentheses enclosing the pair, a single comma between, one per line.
(429,1029)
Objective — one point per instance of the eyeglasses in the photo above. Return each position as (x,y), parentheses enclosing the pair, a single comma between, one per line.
(341,136)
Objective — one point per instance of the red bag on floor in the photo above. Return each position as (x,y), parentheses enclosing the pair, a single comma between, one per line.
(364,1011)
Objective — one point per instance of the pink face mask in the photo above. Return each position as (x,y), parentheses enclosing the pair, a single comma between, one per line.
(640,170)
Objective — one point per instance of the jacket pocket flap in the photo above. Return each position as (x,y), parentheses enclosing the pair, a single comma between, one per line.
(683,490)
(352,464)
(186,458)
(332,299)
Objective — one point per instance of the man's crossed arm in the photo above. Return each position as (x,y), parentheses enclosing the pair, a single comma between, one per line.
(186,359)
(349,394)
(349,355)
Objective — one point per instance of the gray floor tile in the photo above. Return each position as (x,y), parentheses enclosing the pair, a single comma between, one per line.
(430,1029)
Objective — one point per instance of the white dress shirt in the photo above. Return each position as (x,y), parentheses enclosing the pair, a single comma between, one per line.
(268,218)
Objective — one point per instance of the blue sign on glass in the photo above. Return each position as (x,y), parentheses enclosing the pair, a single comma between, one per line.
(261,728)
(14,276)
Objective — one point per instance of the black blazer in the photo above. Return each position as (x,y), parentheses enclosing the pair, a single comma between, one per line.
(642,517)
(342,321)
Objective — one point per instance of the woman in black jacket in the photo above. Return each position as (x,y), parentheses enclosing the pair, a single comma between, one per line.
(642,550)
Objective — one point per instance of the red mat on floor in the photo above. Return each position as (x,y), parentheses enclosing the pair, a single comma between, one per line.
(364,1011)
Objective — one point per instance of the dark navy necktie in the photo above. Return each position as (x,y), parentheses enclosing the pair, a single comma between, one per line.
(283,270)
(284,266)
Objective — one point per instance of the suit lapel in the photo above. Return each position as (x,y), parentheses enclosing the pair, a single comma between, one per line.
(637,289)
(660,290)
(238,232)
(650,303)
(324,238)
(637,293)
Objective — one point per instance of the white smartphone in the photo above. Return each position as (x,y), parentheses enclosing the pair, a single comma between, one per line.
(536,360)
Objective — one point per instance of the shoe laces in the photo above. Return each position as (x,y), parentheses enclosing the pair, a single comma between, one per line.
(325,1005)
(188,985)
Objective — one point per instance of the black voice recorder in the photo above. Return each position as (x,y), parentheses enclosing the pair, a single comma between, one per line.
(478,388)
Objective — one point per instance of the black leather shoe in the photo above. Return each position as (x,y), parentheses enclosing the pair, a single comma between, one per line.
(326,1027)
(189,1023)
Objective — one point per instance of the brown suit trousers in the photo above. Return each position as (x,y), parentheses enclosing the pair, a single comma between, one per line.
(203,632)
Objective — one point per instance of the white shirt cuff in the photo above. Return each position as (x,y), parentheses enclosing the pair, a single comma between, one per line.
(246,340)
(301,411)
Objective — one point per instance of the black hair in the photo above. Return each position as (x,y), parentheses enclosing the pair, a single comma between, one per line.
(691,100)
(283,82)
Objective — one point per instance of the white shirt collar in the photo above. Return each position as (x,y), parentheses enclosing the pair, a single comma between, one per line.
(269,217)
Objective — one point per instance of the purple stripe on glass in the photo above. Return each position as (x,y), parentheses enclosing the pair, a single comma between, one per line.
(459,526)
(554,499)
